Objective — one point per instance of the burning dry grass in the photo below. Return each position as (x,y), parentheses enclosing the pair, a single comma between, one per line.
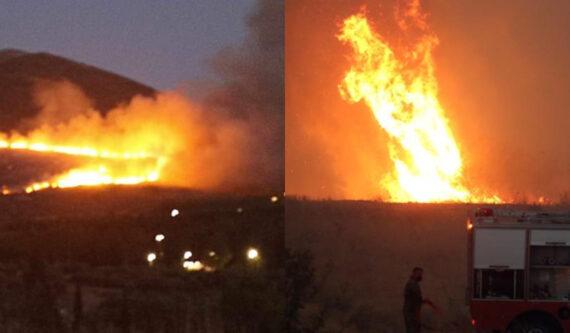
(491,103)
(168,139)
(165,139)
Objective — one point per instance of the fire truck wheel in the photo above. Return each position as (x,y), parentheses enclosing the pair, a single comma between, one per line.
(535,323)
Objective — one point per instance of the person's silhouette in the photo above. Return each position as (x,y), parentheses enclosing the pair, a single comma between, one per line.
(413,301)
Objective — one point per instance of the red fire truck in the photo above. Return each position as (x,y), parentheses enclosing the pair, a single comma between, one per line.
(519,271)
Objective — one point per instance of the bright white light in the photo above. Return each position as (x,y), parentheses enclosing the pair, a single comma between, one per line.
(151,257)
(274,199)
(159,237)
(187,254)
(174,212)
(192,265)
(212,253)
(252,254)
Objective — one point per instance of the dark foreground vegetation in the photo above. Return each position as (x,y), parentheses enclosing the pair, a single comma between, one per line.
(76,261)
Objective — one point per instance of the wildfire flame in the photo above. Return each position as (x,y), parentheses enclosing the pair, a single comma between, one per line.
(141,166)
(401,90)
(132,144)
(164,139)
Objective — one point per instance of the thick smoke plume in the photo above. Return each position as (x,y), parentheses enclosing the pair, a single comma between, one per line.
(252,94)
(231,140)
(202,150)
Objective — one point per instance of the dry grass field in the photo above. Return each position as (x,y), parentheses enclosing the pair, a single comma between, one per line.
(363,253)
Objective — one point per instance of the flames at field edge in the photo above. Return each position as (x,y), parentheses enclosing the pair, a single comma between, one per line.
(141,167)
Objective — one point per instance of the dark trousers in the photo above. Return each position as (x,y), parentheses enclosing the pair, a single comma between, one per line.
(412,321)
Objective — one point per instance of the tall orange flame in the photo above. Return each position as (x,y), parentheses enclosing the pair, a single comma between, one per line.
(402,92)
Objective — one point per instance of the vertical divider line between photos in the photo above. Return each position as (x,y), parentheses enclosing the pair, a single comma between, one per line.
(527,266)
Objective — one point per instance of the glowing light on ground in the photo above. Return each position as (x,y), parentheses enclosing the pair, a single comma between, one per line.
(187,254)
(252,254)
(192,265)
(400,88)
(159,237)
(151,257)
(174,212)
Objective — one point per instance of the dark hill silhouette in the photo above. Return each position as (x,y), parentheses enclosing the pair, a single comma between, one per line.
(8,54)
(19,70)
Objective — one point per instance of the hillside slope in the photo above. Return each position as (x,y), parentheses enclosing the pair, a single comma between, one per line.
(20,70)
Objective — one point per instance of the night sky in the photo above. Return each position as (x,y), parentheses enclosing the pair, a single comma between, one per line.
(162,44)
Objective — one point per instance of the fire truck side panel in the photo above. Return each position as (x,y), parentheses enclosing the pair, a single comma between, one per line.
(497,315)
(546,237)
(499,248)
(531,250)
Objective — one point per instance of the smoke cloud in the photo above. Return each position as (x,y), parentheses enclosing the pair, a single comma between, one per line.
(202,150)
(252,92)
(230,140)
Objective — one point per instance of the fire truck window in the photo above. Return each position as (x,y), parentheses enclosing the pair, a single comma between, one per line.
(499,284)
(550,256)
(477,283)
(550,273)
(519,288)
(550,283)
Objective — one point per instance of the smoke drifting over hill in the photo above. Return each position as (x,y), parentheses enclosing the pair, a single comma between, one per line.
(230,140)
(166,134)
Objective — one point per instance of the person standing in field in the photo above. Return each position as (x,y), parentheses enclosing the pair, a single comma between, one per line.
(413,301)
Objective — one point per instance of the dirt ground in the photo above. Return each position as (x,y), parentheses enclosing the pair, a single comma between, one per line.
(363,254)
